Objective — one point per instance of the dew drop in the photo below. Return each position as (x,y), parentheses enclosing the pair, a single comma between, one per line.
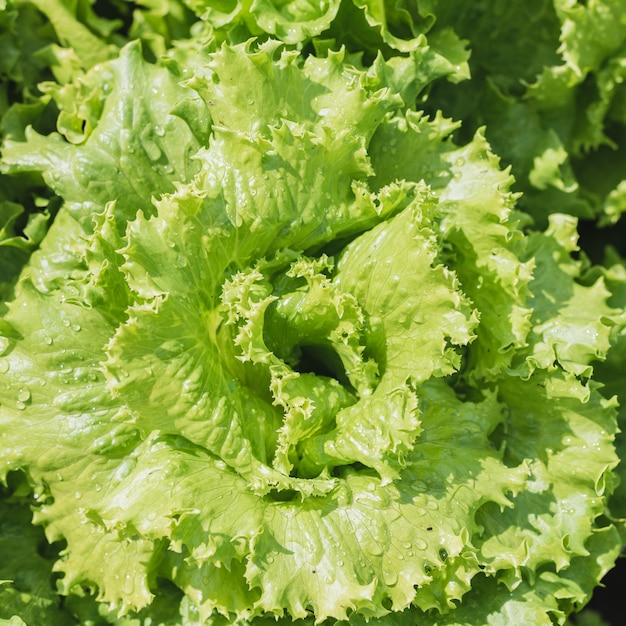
(23,395)
(47,340)
(151,148)
(390,576)
(4,345)
(403,318)
(66,323)
(76,327)
(374,548)
(4,366)
(129,584)
(420,544)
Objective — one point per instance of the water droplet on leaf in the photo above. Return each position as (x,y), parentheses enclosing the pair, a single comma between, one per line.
(390,576)
(23,395)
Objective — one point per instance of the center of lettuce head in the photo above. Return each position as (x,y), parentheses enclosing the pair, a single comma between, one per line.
(343,343)
(305,339)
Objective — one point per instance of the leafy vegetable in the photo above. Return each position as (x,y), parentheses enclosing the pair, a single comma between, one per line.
(281,347)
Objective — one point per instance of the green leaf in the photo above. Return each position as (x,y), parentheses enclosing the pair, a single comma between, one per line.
(128,148)
(27,589)
(566,329)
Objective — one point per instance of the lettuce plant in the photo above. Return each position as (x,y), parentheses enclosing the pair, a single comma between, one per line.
(288,352)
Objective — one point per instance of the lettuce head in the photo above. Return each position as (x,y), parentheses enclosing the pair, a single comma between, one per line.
(289,354)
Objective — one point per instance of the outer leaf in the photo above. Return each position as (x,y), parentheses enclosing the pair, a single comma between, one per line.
(549,74)
(133,148)
(27,591)
(576,334)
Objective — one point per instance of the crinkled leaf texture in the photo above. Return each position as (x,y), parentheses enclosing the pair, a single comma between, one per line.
(548,83)
(319,373)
